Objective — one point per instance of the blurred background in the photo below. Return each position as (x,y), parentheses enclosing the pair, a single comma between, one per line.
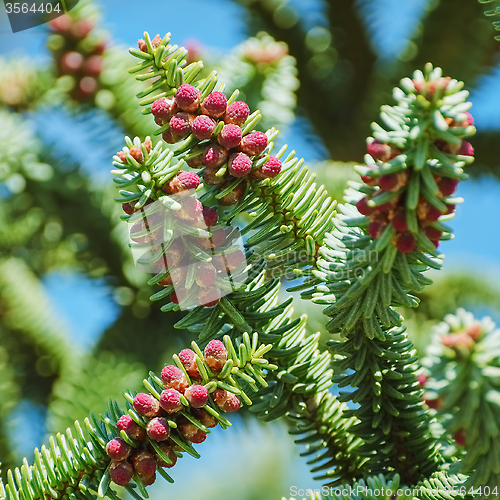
(76,325)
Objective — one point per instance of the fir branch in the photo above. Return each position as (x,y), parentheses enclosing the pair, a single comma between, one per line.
(462,384)
(73,465)
(254,307)
(284,206)
(300,391)
(370,264)
(290,199)
(78,463)
(492,12)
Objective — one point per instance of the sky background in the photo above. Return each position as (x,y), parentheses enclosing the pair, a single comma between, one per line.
(219,24)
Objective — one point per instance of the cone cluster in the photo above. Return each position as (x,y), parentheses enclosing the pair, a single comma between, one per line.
(78,53)
(224,154)
(183,401)
(393,187)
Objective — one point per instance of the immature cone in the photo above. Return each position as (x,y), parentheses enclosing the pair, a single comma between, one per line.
(382,151)
(173,298)
(192,210)
(425,211)
(215,355)
(398,221)
(254,143)
(148,145)
(475,331)
(447,186)
(188,359)
(118,449)
(203,127)
(146,405)
(363,207)
(209,297)
(214,104)
(234,260)
(169,451)
(136,154)
(220,396)
(232,403)
(158,429)
(239,165)
(187,97)
(197,395)
(466,149)
(174,254)
(128,208)
(93,65)
(176,277)
(163,109)
(181,183)
(233,196)
(122,155)
(126,423)
(458,341)
(460,437)
(170,401)
(433,234)
(204,417)
(191,432)
(206,274)
(71,62)
(214,156)
(174,378)
(269,170)
(210,178)
(405,242)
(375,228)
(87,86)
(230,136)
(144,464)
(180,125)
(121,473)
(237,113)
(210,216)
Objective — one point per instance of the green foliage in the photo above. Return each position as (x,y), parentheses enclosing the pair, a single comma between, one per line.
(23,85)
(492,12)
(463,377)
(26,310)
(265,75)
(361,275)
(87,384)
(366,276)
